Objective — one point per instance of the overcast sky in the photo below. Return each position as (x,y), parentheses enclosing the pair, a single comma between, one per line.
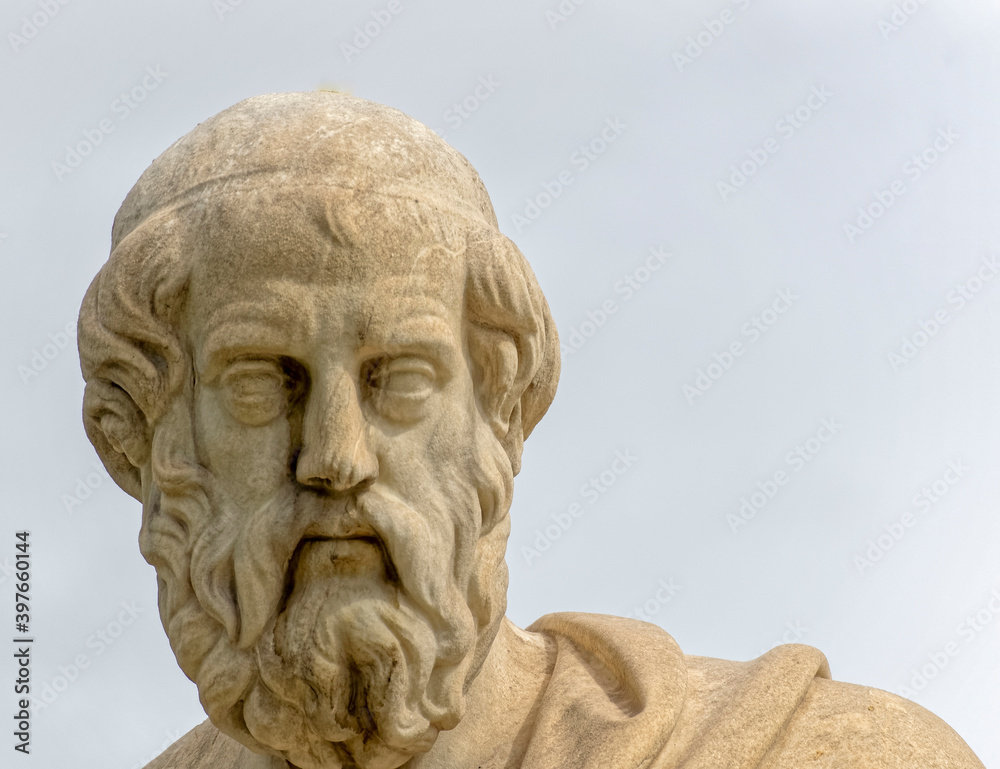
(768,233)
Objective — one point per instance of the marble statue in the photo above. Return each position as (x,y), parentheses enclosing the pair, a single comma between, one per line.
(314,359)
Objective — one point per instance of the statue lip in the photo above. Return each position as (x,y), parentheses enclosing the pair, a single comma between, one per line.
(342,529)
(340,522)
(358,549)
(339,546)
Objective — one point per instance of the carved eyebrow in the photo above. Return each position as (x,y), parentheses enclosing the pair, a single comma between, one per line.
(236,339)
(274,320)
(248,334)
(430,337)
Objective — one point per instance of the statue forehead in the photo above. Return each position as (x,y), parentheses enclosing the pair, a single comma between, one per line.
(312,265)
(305,237)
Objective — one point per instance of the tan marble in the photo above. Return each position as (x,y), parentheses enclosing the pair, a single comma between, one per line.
(314,359)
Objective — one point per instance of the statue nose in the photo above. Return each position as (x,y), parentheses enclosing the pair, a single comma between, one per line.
(335,454)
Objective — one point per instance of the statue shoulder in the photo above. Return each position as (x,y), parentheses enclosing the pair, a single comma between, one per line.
(840,724)
(782,711)
(205,746)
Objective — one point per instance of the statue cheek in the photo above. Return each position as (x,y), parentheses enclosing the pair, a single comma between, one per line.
(251,463)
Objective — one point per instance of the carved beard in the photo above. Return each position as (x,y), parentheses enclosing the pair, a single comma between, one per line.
(323,650)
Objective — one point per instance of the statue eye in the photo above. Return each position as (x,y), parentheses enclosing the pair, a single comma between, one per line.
(256,392)
(398,387)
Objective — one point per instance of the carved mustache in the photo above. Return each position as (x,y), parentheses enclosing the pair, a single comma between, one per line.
(276,536)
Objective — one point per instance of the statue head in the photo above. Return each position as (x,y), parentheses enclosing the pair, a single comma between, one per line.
(314,359)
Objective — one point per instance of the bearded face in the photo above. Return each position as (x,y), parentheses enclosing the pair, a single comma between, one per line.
(327,509)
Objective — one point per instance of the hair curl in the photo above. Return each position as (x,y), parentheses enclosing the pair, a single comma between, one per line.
(134,359)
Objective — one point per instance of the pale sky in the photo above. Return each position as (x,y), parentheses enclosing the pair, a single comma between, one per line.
(767,232)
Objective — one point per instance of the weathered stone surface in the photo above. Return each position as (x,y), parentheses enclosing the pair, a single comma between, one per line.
(314,359)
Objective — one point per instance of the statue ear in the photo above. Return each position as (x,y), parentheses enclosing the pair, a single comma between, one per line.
(495,357)
(119,431)
(512,339)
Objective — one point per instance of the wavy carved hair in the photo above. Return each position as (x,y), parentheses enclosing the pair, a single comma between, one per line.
(135,364)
